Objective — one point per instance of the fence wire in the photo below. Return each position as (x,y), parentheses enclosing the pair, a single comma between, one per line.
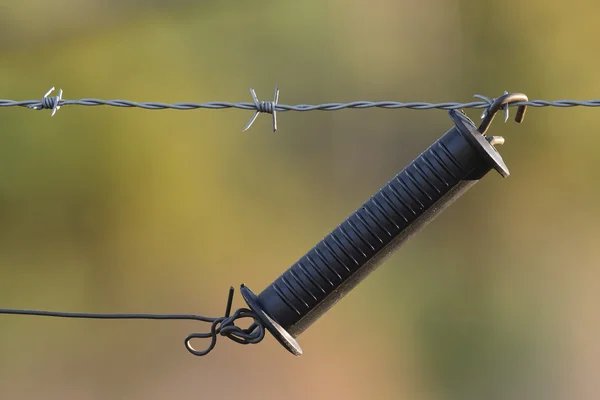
(272,107)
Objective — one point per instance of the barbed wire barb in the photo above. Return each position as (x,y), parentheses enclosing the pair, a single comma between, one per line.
(269,107)
(49,102)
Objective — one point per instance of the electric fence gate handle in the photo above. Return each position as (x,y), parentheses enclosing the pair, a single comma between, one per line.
(414,197)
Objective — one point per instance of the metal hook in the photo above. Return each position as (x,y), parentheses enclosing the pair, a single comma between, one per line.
(269,107)
(500,103)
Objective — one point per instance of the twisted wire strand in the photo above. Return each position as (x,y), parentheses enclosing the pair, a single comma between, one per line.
(223,326)
(273,107)
(268,107)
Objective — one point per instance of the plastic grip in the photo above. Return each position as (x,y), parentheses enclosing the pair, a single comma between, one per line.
(344,257)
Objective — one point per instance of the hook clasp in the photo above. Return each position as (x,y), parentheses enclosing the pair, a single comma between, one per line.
(500,103)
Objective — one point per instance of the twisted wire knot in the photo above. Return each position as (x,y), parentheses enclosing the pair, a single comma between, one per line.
(225,326)
(266,107)
(48,103)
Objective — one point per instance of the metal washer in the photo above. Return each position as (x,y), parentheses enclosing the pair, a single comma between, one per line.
(276,330)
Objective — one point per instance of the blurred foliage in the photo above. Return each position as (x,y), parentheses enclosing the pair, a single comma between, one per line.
(128,210)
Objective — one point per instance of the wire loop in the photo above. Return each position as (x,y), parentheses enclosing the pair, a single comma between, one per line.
(225,326)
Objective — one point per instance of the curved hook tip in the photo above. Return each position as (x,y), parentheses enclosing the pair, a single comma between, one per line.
(499,104)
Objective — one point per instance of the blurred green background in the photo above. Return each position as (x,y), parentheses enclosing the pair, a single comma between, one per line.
(128,210)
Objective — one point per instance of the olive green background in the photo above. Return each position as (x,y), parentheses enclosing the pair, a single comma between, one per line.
(127,210)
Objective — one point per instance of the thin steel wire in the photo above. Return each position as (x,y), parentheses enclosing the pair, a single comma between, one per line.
(224,326)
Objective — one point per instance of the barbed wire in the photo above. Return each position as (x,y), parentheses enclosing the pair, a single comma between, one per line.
(273,107)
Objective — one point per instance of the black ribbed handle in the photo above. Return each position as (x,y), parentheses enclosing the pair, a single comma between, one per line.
(358,245)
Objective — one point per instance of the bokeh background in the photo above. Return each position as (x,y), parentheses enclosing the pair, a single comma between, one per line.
(128,210)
